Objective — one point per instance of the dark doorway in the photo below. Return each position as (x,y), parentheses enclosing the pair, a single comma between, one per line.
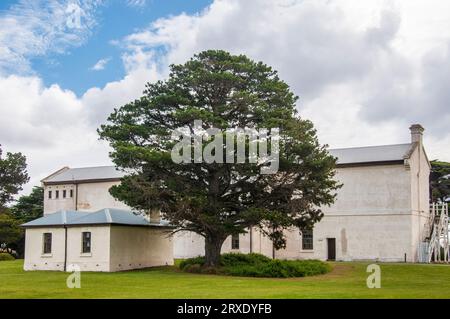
(331,243)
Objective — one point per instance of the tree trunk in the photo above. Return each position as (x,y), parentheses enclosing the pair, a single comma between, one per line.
(213,245)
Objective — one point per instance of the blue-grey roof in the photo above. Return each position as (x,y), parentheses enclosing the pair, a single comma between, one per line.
(101,217)
(370,154)
(84,173)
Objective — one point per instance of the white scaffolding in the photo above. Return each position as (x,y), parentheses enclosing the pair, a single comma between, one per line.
(435,244)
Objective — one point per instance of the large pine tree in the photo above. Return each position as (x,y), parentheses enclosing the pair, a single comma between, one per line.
(216,200)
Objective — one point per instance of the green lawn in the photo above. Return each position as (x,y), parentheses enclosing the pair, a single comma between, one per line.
(347,280)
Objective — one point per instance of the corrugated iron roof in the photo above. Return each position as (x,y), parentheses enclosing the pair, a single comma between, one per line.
(85,173)
(354,155)
(101,217)
(371,154)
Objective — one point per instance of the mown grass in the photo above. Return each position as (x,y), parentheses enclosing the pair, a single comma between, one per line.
(346,280)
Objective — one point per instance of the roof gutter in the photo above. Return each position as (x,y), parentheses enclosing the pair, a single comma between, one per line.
(80,181)
(377,163)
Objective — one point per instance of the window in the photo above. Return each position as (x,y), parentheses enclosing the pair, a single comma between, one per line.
(56,194)
(47,243)
(71,193)
(86,239)
(235,241)
(50,194)
(64,193)
(307,239)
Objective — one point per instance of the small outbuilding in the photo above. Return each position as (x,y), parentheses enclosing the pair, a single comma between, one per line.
(106,240)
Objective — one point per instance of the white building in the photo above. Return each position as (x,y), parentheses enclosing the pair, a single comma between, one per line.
(380,212)
(107,240)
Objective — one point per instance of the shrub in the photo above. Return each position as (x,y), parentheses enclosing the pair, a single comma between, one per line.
(192,261)
(234,259)
(281,269)
(6,256)
(257,265)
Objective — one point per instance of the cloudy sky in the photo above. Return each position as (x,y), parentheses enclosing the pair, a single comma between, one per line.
(364,70)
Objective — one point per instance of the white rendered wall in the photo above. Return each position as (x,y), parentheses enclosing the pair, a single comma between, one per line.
(90,197)
(98,258)
(189,244)
(52,205)
(35,259)
(371,218)
(139,247)
(96,196)
(113,248)
(420,197)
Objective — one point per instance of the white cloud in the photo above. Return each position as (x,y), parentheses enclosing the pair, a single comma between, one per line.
(100,65)
(53,127)
(47,124)
(33,28)
(99,103)
(363,71)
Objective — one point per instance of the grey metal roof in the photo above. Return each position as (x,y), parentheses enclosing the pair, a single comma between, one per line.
(101,217)
(354,155)
(370,154)
(85,173)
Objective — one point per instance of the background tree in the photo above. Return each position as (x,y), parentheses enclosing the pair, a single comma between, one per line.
(440,181)
(13,175)
(220,199)
(10,232)
(29,207)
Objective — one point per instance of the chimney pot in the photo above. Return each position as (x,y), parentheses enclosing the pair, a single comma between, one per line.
(416,133)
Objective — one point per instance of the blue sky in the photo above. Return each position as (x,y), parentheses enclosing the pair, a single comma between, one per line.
(114,20)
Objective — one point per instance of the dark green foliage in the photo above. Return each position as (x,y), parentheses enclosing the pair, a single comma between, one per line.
(13,175)
(234,259)
(29,207)
(281,269)
(256,265)
(10,232)
(192,261)
(440,181)
(216,200)
(6,256)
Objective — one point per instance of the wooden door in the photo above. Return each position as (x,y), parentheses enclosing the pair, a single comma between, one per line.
(331,243)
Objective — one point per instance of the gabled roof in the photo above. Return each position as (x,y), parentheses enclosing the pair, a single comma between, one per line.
(373,154)
(346,156)
(106,216)
(71,175)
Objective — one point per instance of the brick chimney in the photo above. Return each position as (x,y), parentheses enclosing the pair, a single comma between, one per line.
(416,133)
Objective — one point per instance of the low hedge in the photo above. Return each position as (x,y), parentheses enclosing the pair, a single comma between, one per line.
(6,256)
(257,265)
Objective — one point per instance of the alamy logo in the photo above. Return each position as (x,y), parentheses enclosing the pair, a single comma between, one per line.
(236,141)
(374,279)
(74,279)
